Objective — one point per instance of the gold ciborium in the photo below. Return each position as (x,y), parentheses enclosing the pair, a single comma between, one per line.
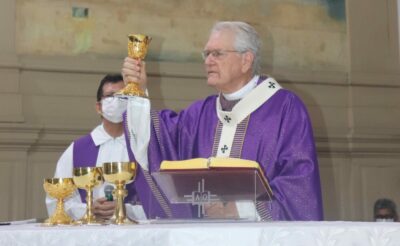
(137,49)
(87,178)
(59,188)
(120,174)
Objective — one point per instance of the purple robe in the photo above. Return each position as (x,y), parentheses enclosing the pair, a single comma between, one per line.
(278,136)
(154,202)
(85,154)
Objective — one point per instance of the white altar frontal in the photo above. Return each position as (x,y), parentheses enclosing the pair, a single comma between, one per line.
(217,233)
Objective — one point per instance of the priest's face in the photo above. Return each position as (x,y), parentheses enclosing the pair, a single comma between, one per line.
(227,69)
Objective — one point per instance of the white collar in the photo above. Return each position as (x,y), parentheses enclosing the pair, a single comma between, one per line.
(242,91)
(100,136)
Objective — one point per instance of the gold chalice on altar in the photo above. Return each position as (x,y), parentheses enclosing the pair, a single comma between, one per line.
(87,178)
(120,174)
(137,49)
(59,188)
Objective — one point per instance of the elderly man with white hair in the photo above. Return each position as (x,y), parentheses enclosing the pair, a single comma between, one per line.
(252,117)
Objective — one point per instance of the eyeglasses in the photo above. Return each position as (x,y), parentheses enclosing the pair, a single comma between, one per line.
(107,96)
(112,97)
(384,216)
(217,54)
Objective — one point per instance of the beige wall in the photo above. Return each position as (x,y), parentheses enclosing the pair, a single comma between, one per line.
(345,71)
(298,34)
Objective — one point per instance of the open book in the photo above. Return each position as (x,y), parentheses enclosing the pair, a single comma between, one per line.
(212,162)
(216,163)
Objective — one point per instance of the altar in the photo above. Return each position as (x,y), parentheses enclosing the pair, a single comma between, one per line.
(216,233)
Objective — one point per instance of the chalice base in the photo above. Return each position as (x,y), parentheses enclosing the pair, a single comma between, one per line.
(131,89)
(125,221)
(59,218)
(90,221)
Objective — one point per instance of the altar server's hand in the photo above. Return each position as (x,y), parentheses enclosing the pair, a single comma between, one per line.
(103,209)
(134,71)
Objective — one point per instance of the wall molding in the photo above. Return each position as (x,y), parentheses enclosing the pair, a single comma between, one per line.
(100,65)
(24,137)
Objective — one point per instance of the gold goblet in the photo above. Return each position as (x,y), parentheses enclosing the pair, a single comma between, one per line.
(120,174)
(59,188)
(137,49)
(87,178)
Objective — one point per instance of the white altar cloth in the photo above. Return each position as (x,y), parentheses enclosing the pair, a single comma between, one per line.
(271,234)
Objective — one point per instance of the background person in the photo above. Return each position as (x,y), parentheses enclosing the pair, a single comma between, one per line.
(385,211)
(106,143)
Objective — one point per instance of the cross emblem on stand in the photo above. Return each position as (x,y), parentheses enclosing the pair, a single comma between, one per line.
(271,84)
(201,197)
(227,118)
(225,148)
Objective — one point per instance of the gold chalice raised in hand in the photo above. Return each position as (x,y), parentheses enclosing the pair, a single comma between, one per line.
(59,188)
(120,174)
(87,178)
(137,49)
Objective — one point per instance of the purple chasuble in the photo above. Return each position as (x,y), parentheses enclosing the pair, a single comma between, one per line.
(85,154)
(278,136)
(149,194)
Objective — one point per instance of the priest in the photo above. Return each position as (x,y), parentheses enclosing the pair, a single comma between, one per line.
(252,117)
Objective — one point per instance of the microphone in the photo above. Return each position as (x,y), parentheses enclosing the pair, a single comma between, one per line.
(108,189)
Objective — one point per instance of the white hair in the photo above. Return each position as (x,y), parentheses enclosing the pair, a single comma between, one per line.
(246,39)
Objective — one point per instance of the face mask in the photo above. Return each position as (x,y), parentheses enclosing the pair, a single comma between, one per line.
(384,220)
(112,108)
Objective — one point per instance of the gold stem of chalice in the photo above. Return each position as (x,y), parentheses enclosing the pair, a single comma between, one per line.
(59,188)
(87,178)
(120,174)
(137,49)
